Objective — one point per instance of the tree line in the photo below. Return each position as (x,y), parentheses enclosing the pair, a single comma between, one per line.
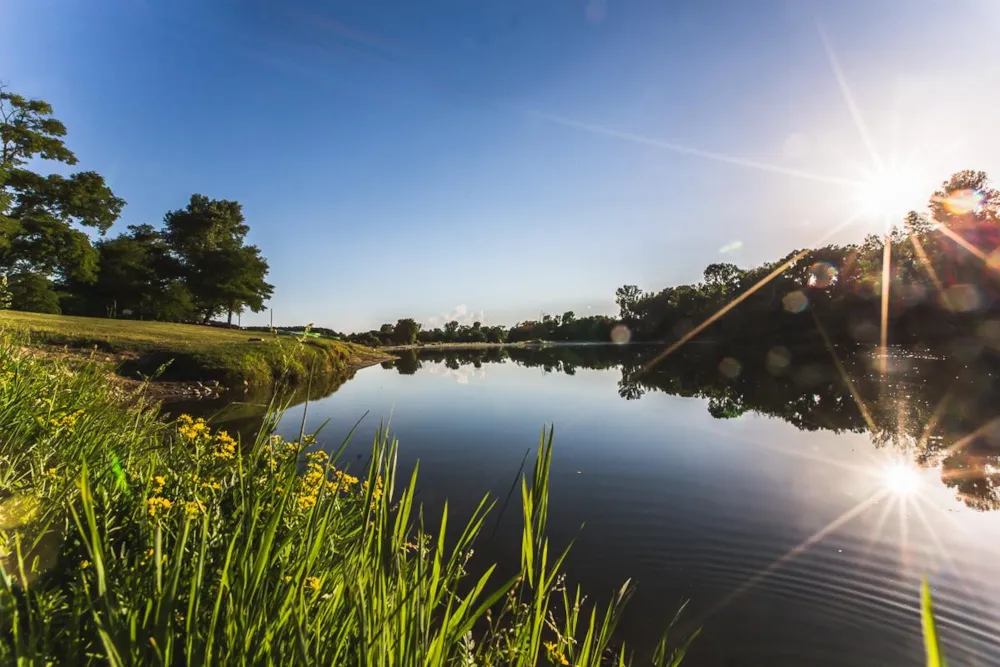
(195,267)
(930,280)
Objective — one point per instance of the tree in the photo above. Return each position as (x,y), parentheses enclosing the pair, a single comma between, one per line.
(722,274)
(39,214)
(405,332)
(450,329)
(627,297)
(964,198)
(5,296)
(137,277)
(33,292)
(221,272)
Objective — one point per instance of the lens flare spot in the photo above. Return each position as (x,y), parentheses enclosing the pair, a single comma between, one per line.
(730,368)
(822,275)
(961,202)
(795,302)
(900,478)
(621,334)
(962,298)
(778,359)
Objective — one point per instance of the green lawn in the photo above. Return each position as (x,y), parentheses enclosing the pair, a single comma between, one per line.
(194,352)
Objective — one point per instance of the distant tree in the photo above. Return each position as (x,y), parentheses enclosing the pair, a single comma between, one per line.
(5,295)
(568,317)
(137,274)
(386,328)
(405,332)
(221,272)
(627,297)
(39,215)
(966,197)
(35,293)
(450,329)
(722,275)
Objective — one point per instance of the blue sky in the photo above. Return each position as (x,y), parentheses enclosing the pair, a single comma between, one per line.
(495,159)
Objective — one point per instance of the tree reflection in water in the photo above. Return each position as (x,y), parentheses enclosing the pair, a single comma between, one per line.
(941,412)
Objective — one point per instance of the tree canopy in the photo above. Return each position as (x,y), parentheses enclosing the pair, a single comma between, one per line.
(197,266)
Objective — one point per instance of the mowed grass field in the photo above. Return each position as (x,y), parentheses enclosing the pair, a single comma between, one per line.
(193,352)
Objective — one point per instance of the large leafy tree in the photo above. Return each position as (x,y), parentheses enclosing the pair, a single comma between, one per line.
(405,332)
(41,216)
(138,277)
(222,273)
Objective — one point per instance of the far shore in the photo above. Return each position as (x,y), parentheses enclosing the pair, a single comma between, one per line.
(459,346)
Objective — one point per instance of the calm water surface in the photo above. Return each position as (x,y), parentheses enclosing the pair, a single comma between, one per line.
(796,523)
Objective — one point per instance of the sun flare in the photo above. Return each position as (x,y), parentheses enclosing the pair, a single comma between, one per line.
(892,193)
(900,479)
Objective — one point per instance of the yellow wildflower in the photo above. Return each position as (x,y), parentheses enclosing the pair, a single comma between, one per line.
(306,502)
(312,583)
(158,483)
(193,508)
(555,655)
(226,446)
(84,564)
(158,504)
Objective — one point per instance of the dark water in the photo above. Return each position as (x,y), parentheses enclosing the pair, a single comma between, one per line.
(797,523)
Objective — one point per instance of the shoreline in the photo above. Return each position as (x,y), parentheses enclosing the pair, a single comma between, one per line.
(458,346)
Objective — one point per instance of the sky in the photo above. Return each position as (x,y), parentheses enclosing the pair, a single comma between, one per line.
(494,160)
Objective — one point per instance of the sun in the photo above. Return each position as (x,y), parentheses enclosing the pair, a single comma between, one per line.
(900,479)
(892,192)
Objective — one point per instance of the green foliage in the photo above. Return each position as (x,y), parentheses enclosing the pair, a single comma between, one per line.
(39,214)
(221,272)
(6,298)
(405,331)
(144,542)
(34,293)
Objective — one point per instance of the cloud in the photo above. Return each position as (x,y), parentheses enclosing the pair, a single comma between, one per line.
(731,247)
(460,314)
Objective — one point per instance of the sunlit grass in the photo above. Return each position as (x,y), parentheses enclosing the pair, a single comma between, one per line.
(193,352)
(131,541)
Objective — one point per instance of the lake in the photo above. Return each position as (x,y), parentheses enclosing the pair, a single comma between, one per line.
(797,523)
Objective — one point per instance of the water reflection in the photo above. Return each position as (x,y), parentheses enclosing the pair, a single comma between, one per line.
(939,413)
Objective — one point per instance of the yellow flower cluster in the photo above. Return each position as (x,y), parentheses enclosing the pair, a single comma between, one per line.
(158,483)
(226,447)
(555,655)
(193,508)
(158,504)
(192,429)
(312,583)
(315,479)
(212,485)
(65,421)
(377,491)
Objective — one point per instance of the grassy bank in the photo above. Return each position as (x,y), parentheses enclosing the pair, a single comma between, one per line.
(194,352)
(126,540)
